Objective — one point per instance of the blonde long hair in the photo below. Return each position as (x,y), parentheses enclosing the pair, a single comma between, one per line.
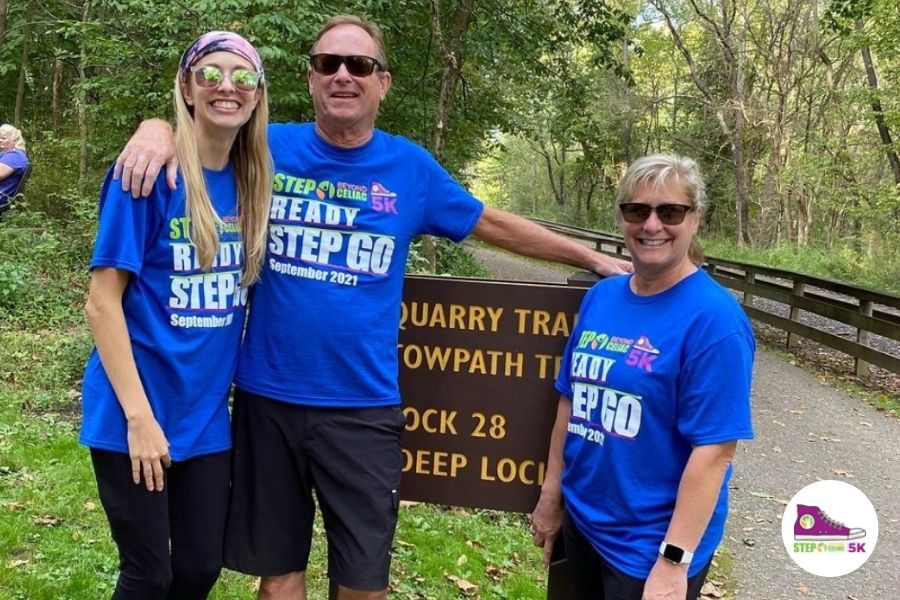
(252,165)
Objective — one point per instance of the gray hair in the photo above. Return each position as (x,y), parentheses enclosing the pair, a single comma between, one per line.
(657,170)
(369,27)
(10,133)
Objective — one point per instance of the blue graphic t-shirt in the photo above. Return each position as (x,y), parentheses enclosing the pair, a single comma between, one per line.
(17,161)
(185,325)
(649,378)
(323,326)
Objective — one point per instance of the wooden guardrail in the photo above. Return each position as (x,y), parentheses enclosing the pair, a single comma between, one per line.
(869,312)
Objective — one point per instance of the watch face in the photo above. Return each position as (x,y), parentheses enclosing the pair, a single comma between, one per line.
(673,553)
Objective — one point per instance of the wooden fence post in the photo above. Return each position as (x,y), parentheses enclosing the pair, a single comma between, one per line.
(793,340)
(750,278)
(862,337)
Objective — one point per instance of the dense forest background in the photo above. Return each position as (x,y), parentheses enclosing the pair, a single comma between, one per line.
(792,108)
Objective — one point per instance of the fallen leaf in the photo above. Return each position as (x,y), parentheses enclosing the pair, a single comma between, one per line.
(14,506)
(843,473)
(466,587)
(463,559)
(90,506)
(864,424)
(710,590)
(804,590)
(47,521)
(18,562)
(776,450)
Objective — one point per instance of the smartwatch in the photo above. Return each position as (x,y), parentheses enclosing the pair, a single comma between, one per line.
(675,554)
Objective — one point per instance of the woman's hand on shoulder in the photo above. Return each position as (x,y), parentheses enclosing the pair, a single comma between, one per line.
(148,449)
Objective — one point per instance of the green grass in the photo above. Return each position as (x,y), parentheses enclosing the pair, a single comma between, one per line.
(54,542)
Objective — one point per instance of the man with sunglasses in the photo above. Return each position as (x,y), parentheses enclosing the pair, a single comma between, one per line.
(317,406)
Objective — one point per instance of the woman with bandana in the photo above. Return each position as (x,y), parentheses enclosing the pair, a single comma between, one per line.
(167,301)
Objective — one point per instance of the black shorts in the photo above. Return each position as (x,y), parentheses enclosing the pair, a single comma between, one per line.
(350,457)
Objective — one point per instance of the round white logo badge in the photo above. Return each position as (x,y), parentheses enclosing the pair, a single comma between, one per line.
(829,528)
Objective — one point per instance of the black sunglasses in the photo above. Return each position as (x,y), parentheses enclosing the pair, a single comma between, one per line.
(668,214)
(358,66)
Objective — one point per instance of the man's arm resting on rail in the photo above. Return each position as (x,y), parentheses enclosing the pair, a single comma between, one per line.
(516,234)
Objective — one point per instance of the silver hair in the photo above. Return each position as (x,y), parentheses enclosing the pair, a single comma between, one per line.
(10,133)
(657,170)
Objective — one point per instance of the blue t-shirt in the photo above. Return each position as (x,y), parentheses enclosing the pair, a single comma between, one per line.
(323,326)
(185,325)
(16,160)
(650,377)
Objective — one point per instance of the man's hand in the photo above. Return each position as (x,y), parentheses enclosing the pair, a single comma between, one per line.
(150,149)
(546,523)
(609,266)
(667,581)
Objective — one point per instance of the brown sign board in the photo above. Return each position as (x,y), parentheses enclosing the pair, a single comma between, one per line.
(477,364)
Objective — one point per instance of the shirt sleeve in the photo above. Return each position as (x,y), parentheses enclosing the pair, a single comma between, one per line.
(124,227)
(14,160)
(450,210)
(714,392)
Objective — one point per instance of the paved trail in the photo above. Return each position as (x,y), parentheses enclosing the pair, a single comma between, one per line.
(805,431)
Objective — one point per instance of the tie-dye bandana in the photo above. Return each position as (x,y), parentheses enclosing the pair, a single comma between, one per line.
(220,41)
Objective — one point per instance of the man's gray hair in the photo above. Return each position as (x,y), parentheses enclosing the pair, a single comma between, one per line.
(369,27)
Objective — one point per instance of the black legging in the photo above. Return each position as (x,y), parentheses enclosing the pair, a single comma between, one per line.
(189,513)
(595,579)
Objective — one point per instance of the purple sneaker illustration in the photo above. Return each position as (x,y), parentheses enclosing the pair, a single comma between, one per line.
(814,524)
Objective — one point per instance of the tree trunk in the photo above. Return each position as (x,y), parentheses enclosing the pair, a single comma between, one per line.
(23,68)
(733,56)
(54,100)
(3,9)
(82,96)
(451,58)
(880,122)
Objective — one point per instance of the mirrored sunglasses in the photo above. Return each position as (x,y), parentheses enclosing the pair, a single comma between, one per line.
(668,214)
(210,76)
(358,66)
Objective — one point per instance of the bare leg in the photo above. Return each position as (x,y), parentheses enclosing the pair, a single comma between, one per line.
(348,594)
(290,586)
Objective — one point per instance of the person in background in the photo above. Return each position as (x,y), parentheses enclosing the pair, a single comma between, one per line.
(317,404)
(655,392)
(13,163)
(169,283)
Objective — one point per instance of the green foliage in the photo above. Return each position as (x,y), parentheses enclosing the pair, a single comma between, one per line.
(452,259)
(12,283)
(842,263)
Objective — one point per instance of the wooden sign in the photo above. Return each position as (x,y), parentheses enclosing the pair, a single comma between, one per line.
(477,364)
